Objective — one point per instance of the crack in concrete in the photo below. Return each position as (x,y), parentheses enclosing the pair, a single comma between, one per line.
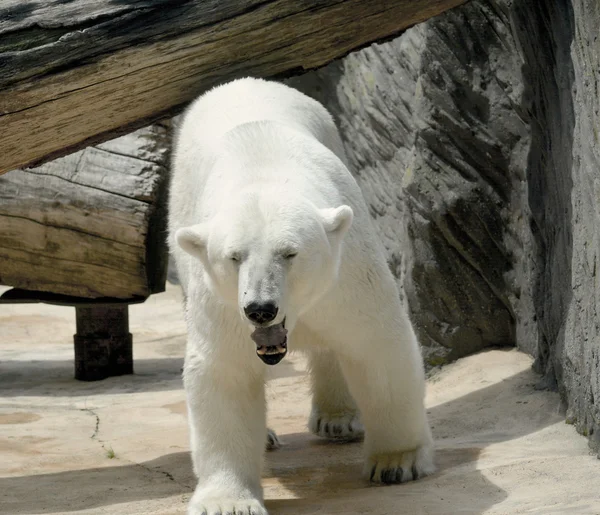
(110,453)
(168,475)
(104,444)
(97,427)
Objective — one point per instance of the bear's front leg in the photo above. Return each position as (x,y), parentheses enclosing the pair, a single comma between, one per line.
(385,376)
(334,414)
(226,406)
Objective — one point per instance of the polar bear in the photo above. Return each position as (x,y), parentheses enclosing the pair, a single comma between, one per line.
(275,250)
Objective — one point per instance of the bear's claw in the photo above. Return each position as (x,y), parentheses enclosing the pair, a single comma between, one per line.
(228,507)
(273,441)
(345,428)
(399,467)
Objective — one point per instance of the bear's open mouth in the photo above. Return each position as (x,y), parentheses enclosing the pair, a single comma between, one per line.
(271,343)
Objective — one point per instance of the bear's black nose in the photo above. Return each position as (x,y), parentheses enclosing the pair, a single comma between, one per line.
(261,313)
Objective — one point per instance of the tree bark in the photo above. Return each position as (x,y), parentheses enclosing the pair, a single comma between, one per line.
(79,72)
(91,224)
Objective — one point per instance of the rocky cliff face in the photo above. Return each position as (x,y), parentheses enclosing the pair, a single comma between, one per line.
(475,138)
(436,132)
(567,206)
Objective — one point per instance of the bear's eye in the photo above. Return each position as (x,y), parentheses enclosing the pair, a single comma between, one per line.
(290,254)
(235,257)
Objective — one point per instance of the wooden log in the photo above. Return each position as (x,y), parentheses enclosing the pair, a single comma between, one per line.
(91,224)
(76,72)
(103,343)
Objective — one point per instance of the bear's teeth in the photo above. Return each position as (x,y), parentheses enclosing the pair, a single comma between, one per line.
(271,349)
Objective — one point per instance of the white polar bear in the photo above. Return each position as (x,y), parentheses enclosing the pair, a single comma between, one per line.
(273,242)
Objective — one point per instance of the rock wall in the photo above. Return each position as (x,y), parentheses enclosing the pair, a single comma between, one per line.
(564,174)
(475,138)
(579,363)
(437,135)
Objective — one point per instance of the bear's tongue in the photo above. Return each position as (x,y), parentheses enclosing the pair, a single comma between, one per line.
(271,343)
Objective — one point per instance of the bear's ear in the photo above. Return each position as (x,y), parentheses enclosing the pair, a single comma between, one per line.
(337,220)
(193,239)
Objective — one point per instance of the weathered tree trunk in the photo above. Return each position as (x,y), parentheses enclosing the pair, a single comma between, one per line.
(78,72)
(90,224)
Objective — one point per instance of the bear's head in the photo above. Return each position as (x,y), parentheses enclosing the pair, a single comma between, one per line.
(271,255)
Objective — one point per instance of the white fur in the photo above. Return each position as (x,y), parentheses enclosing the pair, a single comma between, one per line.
(259,175)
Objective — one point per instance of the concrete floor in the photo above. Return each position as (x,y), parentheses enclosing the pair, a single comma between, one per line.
(120,446)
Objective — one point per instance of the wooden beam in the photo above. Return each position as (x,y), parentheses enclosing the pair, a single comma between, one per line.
(77,72)
(91,224)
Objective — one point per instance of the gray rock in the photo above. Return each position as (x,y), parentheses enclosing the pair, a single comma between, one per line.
(564,190)
(578,364)
(434,131)
(475,139)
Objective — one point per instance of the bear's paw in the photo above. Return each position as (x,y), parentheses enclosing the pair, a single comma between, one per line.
(226,507)
(400,467)
(342,427)
(273,441)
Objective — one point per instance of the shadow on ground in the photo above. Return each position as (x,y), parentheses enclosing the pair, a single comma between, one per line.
(55,378)
(310,476)
(96,487)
